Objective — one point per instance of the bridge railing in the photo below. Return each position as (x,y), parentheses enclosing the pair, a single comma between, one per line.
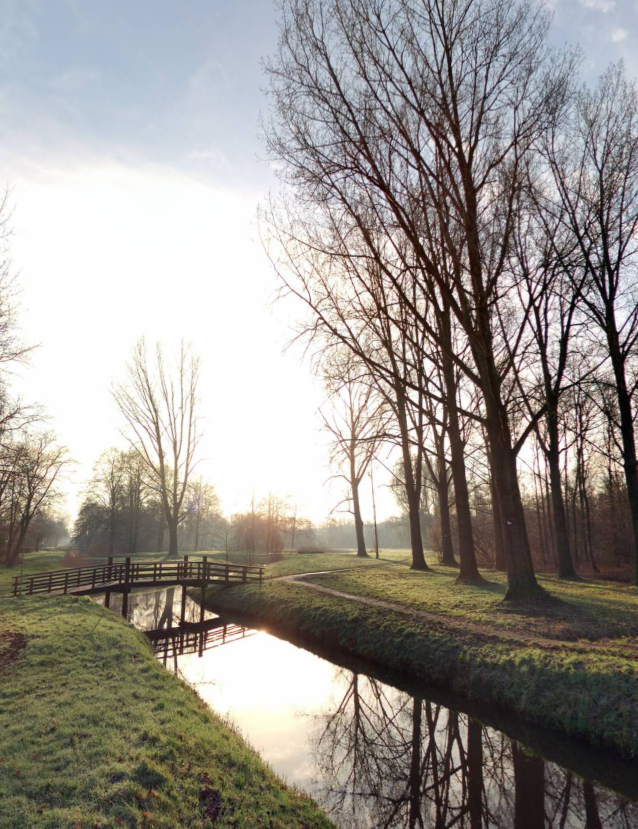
(128,574)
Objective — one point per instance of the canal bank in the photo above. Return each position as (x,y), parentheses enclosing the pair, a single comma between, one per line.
(567,683)
(375,753)
(95,733)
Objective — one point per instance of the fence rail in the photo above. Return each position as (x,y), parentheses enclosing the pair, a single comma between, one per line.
(129,574)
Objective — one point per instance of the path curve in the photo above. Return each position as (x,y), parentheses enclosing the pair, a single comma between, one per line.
(451,624)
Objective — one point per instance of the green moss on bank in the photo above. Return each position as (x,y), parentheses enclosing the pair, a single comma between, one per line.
(94,732)
(580,688)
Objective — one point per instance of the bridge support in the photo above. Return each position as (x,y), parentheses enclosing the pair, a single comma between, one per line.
(182,615)
(125,604)
(107,599)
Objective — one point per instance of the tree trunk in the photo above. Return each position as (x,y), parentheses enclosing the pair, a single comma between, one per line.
(469,573)
(627,434)
(172,538)
(565,563)
(529,796)
(160,535)
(499,540)
(358,521)
(475,771)
(447,550)
(415,764)
(412,490)
(521,581)
(592,815)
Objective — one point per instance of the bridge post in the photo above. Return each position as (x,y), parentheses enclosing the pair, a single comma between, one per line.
(185,573)
(109,575)
(182,617)
(107,599)
(202,608)
(125,592)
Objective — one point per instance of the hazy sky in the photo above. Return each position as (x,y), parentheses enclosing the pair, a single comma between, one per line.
(129,137)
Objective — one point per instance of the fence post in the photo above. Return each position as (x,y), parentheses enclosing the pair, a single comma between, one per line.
(245,574)
(185,576)
(127,570)
(15,585)
(110,566)
(66,582)
(227,574)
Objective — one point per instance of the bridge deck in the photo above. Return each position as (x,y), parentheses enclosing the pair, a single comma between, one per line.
(122,577)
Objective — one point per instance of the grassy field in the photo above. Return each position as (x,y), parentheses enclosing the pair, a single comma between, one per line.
(94,733)
(569,663)
(299,563)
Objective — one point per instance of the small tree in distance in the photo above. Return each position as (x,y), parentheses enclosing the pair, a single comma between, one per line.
(159,402)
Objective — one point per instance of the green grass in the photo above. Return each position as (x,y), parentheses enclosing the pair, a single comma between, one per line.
(94,732)
(585,610)
(299,563)
(570,664)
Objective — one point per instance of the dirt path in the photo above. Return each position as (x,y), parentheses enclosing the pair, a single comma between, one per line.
(458,626)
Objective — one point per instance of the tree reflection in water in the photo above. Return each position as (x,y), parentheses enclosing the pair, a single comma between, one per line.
(386,759)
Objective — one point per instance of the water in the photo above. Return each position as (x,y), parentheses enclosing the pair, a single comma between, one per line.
(373,755)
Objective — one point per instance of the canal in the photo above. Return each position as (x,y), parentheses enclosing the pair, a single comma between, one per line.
(373,755)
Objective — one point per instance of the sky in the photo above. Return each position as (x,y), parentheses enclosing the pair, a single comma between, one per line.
(129,140)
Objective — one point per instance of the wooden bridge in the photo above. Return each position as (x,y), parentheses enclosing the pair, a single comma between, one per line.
(122,577)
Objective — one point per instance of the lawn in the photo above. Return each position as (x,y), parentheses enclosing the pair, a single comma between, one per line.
(582,610)
(95,733)
(292,564)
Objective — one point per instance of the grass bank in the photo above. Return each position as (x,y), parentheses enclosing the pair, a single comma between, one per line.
(569,664)
(95,733)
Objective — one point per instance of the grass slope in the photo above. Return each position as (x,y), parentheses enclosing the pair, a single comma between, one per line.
(570,664)
(94,732)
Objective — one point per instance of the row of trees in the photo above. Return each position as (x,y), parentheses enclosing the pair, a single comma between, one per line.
(460,219)
(122,514)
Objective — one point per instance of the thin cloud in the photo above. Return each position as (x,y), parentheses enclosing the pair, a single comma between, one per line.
(603,6)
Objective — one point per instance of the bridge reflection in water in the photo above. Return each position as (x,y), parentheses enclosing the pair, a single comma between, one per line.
(174,633)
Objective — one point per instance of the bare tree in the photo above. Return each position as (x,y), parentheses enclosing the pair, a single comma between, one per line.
(595,165)
(106,490)
(159,402)
(355,423)
(36,467)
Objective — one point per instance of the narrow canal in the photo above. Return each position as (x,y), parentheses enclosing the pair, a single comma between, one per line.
(376,756)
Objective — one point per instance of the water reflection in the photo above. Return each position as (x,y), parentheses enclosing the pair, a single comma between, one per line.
(370,754)
(175,624)
(386,759)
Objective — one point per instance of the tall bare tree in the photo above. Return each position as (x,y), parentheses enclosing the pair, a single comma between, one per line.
(400,126)
(595,164)
(159,401)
